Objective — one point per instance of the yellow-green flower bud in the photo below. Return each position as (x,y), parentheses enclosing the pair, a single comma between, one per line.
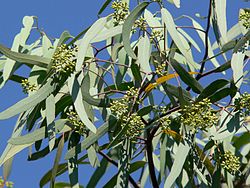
(199,115)
(230,162)
(64,59)
(243,104)
(27,86)
(74,119)
(245,18)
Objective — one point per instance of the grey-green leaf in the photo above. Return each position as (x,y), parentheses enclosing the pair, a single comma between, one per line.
(127,27)
(28,102)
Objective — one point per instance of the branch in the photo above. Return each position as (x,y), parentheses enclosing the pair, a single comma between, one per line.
(150,159)
(132,181)
(206,40)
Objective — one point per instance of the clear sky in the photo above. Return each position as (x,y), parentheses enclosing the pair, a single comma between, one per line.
(54,17)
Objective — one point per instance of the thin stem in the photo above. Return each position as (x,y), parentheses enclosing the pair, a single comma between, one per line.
(206,40)
(132,181)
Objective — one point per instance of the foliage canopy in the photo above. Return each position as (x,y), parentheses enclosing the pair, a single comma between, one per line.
(138,91)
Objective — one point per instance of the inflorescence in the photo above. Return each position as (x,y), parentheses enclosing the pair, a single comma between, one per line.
(64,59)
(27,86)
(121,11)
(121,110)
(243,104)
(245,18)
(8,184)
(199,115)
(74,119)
(230,162)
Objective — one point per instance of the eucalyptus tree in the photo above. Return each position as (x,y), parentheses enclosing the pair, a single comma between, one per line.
(163,103)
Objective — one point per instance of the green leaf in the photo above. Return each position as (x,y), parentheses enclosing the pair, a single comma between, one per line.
(181,155)
(62,168)
(127,27)
(91,139)
(177,3)
(145,110)
(237,65)
(92,155)
(228,129)
(56,161)
(221,94)
(108,33)
(144,52)
(77,97)
(212,88)
(180,41)
(186,77)
(85,86)
(28,102)
(104,6)
(124,164)
(24,58)
(64,185)
(242,42)
(92,32)
(37,134)
(7,166)
(50,116)
(220,8)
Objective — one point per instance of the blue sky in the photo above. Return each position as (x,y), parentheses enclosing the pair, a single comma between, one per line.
(54,17)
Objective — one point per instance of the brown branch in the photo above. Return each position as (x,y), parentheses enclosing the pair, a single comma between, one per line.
(132,181)
(206,40)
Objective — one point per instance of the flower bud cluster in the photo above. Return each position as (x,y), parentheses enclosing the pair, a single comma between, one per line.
(74,120)
(230,162)
(245,18)
(199,115)
(27,86)
(121,11)
(160,69)
(141,23)
(165,122)
(243,104)
(134,125)
(64,59)
(156,34)
(8,184)
(121,110)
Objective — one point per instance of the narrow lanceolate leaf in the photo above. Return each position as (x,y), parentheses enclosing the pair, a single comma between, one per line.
(180,42)
(144,52)
(242,42)
(104,6)
(177,3)
(36,135)
(24,58)
(28,102)
(181,155)
(87,39)
(75,92)
(124,164)
(127,27)
(212,88)
(56,162)
(64,37)
(108,33)
(7,166)
(93,159)
(20,39)
(220,8)
(237,64)
(91,139)
(185,77)
(50,116)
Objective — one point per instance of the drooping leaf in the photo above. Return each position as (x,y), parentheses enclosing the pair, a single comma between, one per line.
(87,39)
(77,97)
(50,116)
(185,77)
(212,88)
(91,139)
(181,155)
(28,102)
(127,27)
(56,162)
